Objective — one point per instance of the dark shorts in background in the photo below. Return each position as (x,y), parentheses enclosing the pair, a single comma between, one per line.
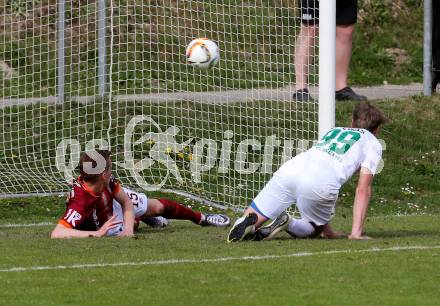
(346,12)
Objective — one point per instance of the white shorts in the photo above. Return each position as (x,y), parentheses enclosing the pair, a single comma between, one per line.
(140,203)
(314,200)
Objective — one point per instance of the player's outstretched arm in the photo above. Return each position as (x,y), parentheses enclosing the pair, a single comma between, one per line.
(360,206)
(128,211)
(61,231)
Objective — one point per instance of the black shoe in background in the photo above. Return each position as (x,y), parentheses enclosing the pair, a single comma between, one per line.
(347,93)
(435,80)
(302,95)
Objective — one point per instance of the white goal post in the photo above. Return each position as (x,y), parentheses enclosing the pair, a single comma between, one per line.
(327,65)
(83,74)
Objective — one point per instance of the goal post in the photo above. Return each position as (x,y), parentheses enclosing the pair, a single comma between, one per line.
(327,65)
(83,74)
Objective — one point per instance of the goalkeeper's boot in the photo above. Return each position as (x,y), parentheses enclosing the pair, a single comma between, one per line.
(347,94)
(243,228)
(435,80)
(269,231)
(157,222)
(217,220)
(302,95)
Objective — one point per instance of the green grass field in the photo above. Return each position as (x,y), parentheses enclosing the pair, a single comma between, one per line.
(188,265)
(184,264)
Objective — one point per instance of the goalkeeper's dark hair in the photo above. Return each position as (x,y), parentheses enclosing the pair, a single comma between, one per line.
(367,116)
(91,157)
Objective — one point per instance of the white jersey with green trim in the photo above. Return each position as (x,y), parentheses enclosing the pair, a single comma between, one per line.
(336,157)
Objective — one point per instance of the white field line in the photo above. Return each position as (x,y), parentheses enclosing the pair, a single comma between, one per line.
(9,225)
(218,259)
(12,225)
(401,216)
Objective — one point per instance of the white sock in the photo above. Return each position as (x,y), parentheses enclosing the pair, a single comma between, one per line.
(300,228)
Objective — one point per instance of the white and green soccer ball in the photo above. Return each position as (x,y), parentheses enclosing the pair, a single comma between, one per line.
(202,53)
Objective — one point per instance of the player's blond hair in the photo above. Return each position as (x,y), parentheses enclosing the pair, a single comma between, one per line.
(367,116)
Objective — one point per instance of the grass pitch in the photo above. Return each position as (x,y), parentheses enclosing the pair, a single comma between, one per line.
(188,265)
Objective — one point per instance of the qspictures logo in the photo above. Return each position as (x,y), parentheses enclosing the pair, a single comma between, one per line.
(206,154)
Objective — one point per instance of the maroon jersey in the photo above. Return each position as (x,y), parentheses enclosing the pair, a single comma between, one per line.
(86,210)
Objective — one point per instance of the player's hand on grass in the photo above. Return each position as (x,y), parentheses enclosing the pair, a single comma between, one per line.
(108,225)
(329,233)
(334,235)
(358,237)
(126,233)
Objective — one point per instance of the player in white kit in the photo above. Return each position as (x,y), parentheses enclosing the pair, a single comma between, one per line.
(312,181)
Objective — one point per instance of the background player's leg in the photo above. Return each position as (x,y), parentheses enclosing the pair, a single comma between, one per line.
(344,43)
(346,18)
(304,43)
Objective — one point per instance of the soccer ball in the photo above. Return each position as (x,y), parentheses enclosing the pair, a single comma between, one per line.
(202,53)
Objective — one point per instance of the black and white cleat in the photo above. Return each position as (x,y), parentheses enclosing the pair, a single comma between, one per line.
(269,231)
(243,228)
(217,220)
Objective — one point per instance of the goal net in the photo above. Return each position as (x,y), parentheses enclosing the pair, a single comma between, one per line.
(82,74)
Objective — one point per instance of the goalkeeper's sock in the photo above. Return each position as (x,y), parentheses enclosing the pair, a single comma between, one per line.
(174,210)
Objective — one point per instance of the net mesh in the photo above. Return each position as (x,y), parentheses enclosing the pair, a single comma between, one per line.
(217,133)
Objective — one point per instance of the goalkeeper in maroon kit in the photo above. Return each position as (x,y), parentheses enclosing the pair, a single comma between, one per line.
(98,206)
